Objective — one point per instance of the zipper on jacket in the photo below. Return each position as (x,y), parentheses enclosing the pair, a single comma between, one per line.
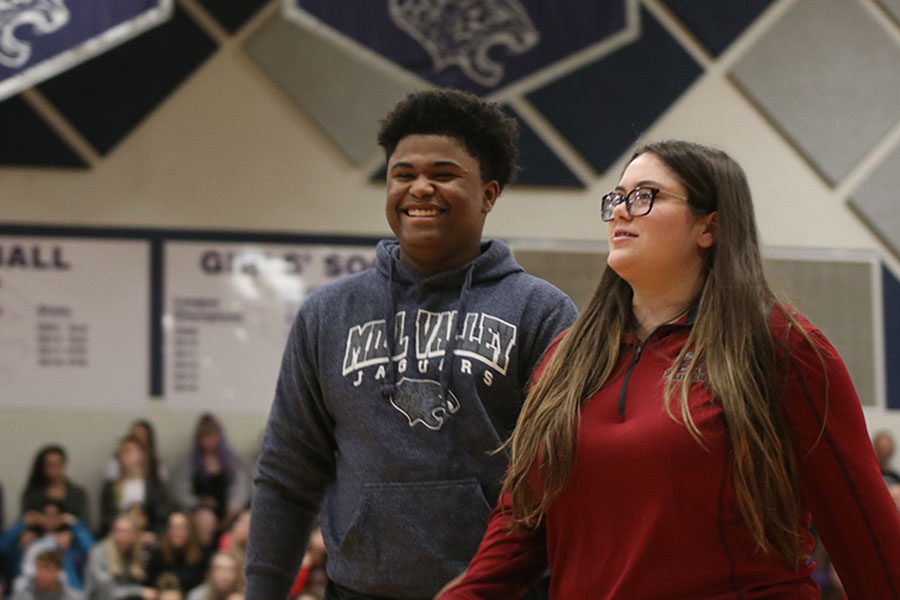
(637,357)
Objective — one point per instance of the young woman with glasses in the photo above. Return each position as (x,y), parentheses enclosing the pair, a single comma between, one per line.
(679,438)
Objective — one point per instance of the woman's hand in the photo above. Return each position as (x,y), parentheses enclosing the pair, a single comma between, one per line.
(450,584)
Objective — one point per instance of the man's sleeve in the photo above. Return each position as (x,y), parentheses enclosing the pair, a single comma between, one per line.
(555,318)
(295,466)
(839,477)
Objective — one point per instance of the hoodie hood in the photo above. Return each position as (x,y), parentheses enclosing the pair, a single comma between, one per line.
(494,262)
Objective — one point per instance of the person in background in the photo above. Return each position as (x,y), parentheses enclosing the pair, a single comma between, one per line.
(143,431)
(212,482)
(47,582)
(48,481)
(168,588)
(134,489)
(115,568)
(235,538)
(50,529)
(894,490)
(225,577)
(398,383)
(206,527)
(180,553)
(680,437)
(312,579)
(883,442)
(13,543)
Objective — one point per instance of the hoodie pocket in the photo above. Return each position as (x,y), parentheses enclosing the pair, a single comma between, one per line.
(407,540)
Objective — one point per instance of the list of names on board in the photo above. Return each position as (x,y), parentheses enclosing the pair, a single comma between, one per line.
(74,317)
(227,312)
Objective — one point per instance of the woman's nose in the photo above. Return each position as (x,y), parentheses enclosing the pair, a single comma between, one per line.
(620,210)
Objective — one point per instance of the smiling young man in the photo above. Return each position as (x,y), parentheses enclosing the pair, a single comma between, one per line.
(399,383)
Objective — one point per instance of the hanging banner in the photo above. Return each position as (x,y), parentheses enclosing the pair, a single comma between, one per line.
(42,38)
(478,45)
(228,308)
(73,322)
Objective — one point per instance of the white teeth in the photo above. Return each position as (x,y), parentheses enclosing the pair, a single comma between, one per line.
(421,212)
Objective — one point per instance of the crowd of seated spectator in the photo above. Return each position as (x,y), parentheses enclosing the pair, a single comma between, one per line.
(159,537)
(183,539)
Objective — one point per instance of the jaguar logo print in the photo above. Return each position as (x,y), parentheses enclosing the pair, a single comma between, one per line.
(462,32)
(44,17)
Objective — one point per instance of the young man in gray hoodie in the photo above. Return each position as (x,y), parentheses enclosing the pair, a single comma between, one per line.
(398,384)
(48,581)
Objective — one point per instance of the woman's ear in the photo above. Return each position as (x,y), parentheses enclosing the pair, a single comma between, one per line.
(710,230)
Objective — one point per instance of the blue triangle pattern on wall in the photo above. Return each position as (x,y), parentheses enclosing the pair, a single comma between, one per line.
(232,14)
(145,71)
(618,96)
(28,141)
(717,23)
(540,165)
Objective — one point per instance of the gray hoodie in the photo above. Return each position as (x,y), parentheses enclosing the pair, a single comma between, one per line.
(397,447)
(30,591)
(100,584)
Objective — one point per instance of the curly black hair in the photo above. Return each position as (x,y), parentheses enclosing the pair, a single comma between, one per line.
(486,132)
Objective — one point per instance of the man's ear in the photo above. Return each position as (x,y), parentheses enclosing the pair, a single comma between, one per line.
(709,234)
(489,193)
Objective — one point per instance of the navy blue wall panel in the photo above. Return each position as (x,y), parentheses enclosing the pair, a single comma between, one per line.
(716,23)
(605,106)
(107,97)
(29,141)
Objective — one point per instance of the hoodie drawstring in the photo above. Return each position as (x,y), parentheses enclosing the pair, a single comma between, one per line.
(389,387)
(390,381)
(462,306)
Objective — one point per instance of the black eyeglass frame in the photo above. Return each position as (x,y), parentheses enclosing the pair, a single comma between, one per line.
(611,200)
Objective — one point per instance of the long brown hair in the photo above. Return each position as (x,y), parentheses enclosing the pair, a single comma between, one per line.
(119,485)
(237,585)
(131,564)
(192,553)
(731,338)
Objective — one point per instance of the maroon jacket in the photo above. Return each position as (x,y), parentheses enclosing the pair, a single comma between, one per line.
(650,514)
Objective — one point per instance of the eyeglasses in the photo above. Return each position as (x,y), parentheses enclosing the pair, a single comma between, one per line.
(638,201)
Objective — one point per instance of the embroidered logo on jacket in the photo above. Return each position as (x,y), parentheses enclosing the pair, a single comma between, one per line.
(482,349)
(699,375)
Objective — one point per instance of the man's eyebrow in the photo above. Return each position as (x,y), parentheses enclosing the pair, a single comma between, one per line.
(437,163)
